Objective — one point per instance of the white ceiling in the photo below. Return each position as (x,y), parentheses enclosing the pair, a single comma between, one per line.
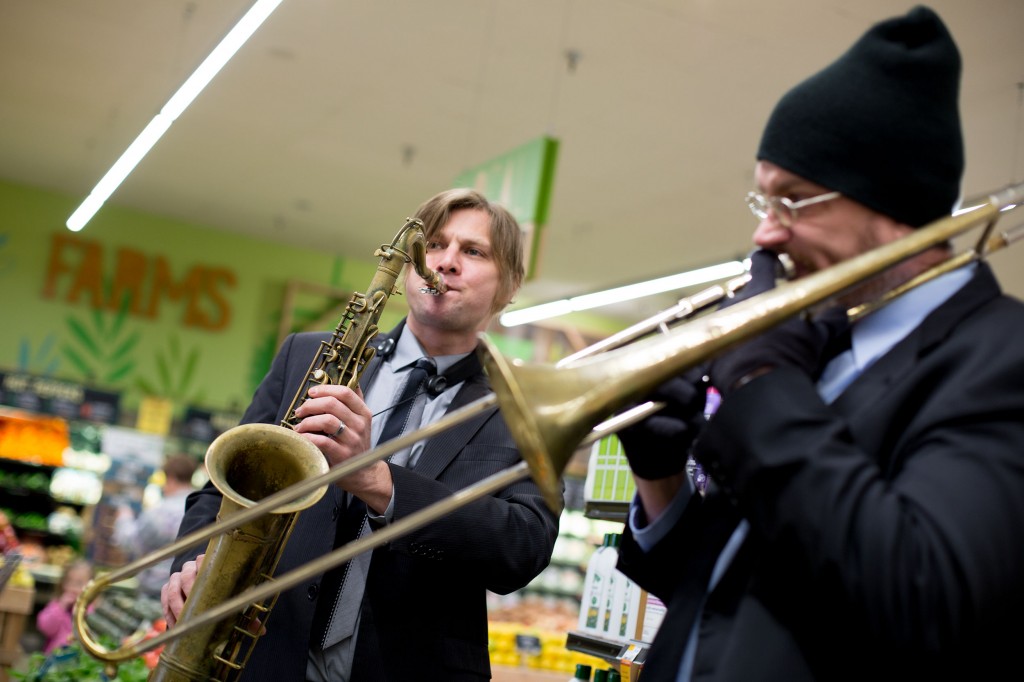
(339,117)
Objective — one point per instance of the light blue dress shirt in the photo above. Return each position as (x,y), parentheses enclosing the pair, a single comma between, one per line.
(389,381)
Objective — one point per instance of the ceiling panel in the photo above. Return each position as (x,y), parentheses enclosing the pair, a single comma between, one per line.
(340,117)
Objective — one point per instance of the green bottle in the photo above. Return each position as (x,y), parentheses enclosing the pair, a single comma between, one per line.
(582,672)
(600,676)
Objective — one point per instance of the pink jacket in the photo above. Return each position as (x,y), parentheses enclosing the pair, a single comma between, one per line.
(55,622)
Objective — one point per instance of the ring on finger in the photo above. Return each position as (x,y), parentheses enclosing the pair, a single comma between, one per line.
(341,427)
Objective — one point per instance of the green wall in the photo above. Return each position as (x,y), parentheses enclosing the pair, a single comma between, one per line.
(140,304)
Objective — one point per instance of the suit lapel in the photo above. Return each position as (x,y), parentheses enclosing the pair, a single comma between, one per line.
(442,448)
(868,402)
(871,387)
(716,519)
(376,361)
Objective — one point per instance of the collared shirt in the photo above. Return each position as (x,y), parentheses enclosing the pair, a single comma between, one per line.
(870,339)
(387,385)
(335,662)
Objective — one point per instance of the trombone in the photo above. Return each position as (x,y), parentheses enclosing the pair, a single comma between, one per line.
(551,410)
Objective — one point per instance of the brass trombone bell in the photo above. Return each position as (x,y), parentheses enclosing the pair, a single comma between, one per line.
(550,410)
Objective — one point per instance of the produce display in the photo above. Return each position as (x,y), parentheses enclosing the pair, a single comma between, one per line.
(36,439)
(516,645)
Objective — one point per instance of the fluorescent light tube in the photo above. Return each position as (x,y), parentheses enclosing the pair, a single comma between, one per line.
(621,294)
(214,62)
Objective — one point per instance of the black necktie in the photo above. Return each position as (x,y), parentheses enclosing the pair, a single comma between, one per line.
(398,419)
(333,602)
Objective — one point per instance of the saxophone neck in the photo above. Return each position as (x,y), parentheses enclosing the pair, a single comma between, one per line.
(413,239)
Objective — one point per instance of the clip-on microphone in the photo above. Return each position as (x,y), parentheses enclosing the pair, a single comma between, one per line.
(436,385)
(386,348)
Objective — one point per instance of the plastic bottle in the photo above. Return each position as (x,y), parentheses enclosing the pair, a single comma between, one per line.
(625,607)
(630,605)
(600,676)
(609,608)
(582,673)
(593,585)
(613,675)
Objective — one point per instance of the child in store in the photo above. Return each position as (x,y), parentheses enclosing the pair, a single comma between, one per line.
(55,620)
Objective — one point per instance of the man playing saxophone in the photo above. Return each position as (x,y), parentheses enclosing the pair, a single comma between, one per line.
(419,602)
(865,516)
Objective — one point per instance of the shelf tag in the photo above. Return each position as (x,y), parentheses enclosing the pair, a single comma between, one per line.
(629,667)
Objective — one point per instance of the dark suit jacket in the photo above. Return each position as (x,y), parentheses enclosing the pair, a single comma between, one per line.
(425,603)
(886,530)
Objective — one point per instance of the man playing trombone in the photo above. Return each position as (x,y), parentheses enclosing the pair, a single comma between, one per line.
(865,516)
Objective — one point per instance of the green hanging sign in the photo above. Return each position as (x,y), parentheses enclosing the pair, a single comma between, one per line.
(520,180)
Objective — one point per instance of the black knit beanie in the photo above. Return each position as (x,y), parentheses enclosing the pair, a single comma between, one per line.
(881,124)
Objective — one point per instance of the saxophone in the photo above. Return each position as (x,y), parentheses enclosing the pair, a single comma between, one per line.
(251,461)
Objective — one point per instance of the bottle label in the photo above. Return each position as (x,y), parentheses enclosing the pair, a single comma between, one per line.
(594,600)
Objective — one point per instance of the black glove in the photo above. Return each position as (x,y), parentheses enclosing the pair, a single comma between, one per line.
(657,447)
(805,344)
(765,268)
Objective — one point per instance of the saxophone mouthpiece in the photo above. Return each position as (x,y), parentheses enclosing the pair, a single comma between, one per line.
(436,285)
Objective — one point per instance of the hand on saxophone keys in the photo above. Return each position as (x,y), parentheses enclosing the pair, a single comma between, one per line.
(177,588)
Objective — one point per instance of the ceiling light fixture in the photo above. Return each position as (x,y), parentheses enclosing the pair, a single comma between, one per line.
(621,294)
(214,62)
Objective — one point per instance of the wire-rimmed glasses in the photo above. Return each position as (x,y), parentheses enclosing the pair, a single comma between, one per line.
(785,209)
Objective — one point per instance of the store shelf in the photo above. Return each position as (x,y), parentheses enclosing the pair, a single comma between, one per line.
(567,563)
(552,592)
(613,652)
(606,511)
(594,646)
(503,673)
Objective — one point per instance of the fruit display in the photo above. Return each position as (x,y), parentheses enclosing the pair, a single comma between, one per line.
(21,578)
(31,438)
(515,645)
(530,630)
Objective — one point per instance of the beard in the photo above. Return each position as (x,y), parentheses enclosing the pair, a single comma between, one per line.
(876,288)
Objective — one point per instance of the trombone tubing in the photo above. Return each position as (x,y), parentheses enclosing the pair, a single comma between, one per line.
(595,387)
(795,296)
(266,506)
(714,332)
(273,586)
(337,557)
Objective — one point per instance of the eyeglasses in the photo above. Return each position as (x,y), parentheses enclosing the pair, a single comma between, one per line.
(785,210)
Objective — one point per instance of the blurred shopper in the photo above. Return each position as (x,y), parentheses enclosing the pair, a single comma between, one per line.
(157,526)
